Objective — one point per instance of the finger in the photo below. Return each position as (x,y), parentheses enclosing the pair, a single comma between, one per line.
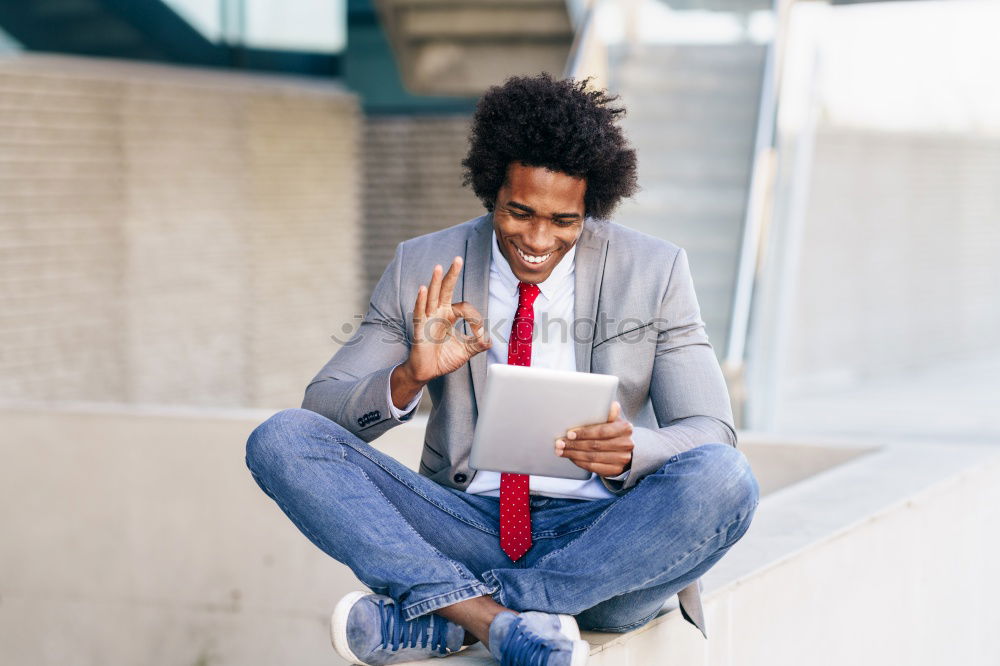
(619,458)
(434,291)
(478,340)
(476,344)
(450,278)
(616,410)
(615,444)
(418,314)
(601,469)
(469,311)
(600,430)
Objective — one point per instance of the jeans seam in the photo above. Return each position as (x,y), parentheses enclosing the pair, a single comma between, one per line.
(332,440)
(414,610)
(692,551)
(552,534)
(678,561)
(451,513)
(496,589)
(582,529)
(482,528)
(311,535)
(627,627)
(751,512)
(298,523)
(438,553)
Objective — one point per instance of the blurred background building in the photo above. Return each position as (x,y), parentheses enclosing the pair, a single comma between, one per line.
(198,196)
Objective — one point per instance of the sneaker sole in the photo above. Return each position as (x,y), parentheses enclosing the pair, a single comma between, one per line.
(338,625)
(571,630)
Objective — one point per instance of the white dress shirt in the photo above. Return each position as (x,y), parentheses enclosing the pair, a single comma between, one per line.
(551,347)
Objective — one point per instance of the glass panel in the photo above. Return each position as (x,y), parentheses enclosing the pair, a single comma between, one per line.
(288,25)
(8,44)
(205,15)
(299,25)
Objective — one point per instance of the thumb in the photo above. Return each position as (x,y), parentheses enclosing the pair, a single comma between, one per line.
(616,410)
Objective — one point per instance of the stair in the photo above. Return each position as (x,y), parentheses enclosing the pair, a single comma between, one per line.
(461,47)
(692,114)
(732,6)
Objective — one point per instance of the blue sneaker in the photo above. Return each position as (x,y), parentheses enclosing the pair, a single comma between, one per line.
(369,629)
(537,639)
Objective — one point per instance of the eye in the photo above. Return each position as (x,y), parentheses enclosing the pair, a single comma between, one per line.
(520,215)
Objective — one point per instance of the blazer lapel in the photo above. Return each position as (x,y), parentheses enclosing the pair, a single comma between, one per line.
(476,290)
(591,253)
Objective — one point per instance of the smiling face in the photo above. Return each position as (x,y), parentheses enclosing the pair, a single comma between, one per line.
(538,217)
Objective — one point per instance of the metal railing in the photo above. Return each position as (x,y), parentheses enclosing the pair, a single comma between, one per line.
(760,199)
(587,55)
(586,51)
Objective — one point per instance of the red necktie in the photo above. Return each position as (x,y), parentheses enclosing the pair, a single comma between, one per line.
(515,511)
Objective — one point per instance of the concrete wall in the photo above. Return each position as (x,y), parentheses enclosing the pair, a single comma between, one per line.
(898,266)
(143,539)
(171,235)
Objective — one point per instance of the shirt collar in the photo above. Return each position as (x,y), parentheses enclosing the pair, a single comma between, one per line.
(562,272)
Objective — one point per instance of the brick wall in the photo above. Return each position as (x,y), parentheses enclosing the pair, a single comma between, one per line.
(171,235)
(413,183)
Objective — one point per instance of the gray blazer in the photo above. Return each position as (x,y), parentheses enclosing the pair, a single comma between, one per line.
(635,316)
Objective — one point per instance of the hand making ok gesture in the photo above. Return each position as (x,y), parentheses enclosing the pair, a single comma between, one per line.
(438,347)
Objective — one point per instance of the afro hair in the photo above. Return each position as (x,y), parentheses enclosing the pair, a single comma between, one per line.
(560,125)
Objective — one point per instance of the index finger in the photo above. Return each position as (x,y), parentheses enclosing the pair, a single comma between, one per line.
(610,428)
(419,314)
(450,278)
(600,431)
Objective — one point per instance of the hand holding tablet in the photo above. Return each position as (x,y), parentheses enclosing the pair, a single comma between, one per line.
(527,409)
(603,448)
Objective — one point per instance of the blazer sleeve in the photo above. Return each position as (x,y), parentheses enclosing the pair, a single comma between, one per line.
(687,389)
(352,389)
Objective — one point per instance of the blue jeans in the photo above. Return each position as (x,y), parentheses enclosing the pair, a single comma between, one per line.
(612,563)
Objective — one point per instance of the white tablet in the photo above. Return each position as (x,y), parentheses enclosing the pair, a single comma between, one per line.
(526,409)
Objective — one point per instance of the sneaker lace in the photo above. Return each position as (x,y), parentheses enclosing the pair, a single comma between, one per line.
(520,647)
(399,632)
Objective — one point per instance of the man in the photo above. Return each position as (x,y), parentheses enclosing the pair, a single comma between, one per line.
(454,555)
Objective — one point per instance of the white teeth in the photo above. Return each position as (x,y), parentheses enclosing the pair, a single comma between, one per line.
(531,259)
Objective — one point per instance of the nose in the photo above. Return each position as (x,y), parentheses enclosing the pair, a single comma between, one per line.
(538,239)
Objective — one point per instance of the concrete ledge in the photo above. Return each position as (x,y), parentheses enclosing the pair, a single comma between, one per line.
(138,536)
(881,560)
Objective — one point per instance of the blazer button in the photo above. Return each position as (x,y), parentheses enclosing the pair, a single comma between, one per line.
(460,478)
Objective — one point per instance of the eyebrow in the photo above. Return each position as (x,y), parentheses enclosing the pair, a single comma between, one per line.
(529,209)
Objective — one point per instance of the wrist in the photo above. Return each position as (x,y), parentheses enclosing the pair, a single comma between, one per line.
(402,388)
(406,378)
